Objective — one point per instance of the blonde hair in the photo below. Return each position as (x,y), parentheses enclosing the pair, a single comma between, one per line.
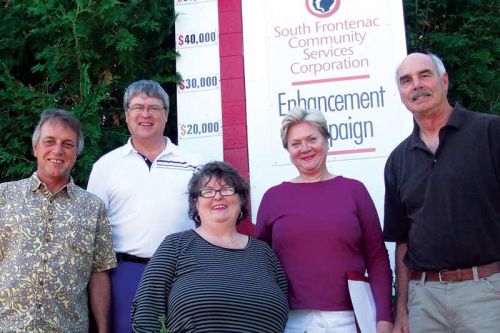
(298,115)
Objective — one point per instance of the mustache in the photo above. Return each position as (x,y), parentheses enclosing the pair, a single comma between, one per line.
(421,92)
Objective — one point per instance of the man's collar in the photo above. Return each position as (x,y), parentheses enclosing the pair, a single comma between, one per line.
(128,148)
(457,119)
(37,185)
(170,148)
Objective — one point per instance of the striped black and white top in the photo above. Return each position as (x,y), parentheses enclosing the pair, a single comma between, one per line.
(201,287)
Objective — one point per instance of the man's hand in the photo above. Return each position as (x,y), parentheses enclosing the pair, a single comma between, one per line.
(384,326)
(99,288)
(401,323)
(402,280)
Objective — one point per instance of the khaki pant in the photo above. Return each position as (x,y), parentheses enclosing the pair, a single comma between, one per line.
(458,307)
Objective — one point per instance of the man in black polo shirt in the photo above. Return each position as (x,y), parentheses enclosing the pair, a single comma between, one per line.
(442,208)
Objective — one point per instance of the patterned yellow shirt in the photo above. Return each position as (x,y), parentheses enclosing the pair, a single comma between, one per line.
(50,244)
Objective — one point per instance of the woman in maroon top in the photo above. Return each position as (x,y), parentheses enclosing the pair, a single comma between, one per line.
(322,226)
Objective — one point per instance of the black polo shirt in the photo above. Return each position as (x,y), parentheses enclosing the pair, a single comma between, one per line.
(446,206)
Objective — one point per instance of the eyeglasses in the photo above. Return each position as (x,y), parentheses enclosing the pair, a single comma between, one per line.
(139,108)
(210,192)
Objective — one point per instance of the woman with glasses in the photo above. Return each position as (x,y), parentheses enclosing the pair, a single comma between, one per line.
(212,278)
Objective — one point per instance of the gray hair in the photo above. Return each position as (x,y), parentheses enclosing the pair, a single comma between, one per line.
(147,88)
(298,115)
(441,70)
(439,64)
(64,117)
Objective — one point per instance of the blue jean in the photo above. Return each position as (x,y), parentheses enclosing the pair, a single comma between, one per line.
(125,279)
(467,306)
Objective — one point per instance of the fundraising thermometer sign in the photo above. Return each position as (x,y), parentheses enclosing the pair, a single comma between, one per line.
(198,93)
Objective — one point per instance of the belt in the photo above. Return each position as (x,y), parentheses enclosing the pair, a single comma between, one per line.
(129,257)
(457,275)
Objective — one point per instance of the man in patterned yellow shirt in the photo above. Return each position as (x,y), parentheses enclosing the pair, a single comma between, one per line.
(55,240)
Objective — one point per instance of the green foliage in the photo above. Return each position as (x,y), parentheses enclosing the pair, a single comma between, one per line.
(465,33)
(81,54)
(78,55)
(163,322)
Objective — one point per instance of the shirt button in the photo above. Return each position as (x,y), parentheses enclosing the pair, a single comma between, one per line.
(48,238)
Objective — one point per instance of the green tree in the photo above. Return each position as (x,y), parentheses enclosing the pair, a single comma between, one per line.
(78,55)
(465,33)
(81,54)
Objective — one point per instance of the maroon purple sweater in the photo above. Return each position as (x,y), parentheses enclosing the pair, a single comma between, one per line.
(320,231)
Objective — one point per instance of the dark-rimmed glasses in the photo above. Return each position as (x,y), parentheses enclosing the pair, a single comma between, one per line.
(210,192)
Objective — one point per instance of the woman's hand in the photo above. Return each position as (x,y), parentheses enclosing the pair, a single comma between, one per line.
(384,326)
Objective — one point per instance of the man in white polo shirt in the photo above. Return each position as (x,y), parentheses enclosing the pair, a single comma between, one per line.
(144,187)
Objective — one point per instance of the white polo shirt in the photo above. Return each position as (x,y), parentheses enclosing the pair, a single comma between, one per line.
(145,205)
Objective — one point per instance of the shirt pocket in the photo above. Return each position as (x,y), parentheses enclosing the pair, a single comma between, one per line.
(81,248)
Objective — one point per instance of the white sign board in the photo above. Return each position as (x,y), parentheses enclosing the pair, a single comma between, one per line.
(199,115)
(335,56)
